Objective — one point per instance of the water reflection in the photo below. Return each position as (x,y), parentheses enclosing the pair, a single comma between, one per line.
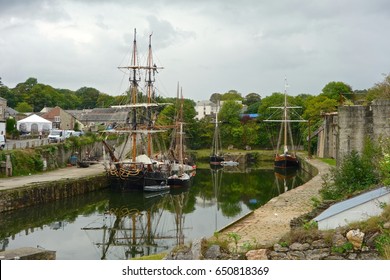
(114,225)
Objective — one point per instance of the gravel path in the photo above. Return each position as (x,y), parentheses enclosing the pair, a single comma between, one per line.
(267,224)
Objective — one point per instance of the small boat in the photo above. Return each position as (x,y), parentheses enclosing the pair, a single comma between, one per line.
(216,156)
(286,159)
(229,163)
(182,179)
(156,188)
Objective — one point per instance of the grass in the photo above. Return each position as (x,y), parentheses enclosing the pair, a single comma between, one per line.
(330,161)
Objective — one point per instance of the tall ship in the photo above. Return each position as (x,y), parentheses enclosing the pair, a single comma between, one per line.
(134,166)
(285,153)
(216,156)
(182,166)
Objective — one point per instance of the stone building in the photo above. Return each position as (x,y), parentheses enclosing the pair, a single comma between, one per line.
(3,107)
(60,118)
(346,130)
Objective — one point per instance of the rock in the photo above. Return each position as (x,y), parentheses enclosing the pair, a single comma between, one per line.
(196,248)
(356,238)
(317,254)
(370,239)
(278,256)
(338,239)
(213,253)
(260,254)
(319,244)
(299,247)
(296,255)
(386,225)
(280,248)
(369,256)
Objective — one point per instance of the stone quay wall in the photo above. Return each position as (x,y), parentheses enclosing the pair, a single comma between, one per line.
(43,192)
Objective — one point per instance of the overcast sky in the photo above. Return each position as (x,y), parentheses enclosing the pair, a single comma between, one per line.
(207,46)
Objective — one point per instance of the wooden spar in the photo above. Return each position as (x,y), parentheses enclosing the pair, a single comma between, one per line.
(285,149)
(112,155)
(134,88)
(149,96)
(282,121)
(180,123)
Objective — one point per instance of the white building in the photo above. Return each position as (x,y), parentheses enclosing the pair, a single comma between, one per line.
(358,208)
(34,124)
(205,108)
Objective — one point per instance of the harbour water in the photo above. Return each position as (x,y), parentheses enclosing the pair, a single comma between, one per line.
(113,225)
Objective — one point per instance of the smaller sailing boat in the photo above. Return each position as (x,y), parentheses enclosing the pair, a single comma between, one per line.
(286,159)
(216,156)
(180,169)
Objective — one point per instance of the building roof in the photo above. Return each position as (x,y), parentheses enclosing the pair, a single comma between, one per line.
(104,115)
(205,103)
(352,202)
(33,119)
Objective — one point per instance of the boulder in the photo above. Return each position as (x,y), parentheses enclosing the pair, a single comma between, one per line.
(356,237)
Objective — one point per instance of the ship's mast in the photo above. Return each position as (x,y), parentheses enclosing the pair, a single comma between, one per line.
(181,133)
(134,91)
(285,150)
(151,70)
(216,146)
(149,82)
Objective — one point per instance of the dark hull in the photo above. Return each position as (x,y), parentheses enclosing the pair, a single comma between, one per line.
(127,183)
(286,161)
(175,183)
(135,179)
(155,179)
(216,160)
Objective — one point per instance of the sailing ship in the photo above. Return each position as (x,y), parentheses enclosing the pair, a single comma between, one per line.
(286,158)
(216,156)
(138,170)
(180,166)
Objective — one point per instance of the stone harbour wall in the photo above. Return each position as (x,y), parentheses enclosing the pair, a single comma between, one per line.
(38,193)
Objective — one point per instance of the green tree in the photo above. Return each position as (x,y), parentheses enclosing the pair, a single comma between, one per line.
(105,100)
(22,90)
(232,95)
(41,96)
(317,105)
(88,96)
(251,98)
(24,107)
(69,99)
(7,94)
(231,128)
(215,97)
(380,90)
(337,91)
(230,112)
(276,99)
(10,125)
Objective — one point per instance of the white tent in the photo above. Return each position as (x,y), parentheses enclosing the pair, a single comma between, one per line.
(34,123)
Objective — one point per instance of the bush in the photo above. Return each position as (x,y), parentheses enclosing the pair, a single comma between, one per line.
(355,173)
